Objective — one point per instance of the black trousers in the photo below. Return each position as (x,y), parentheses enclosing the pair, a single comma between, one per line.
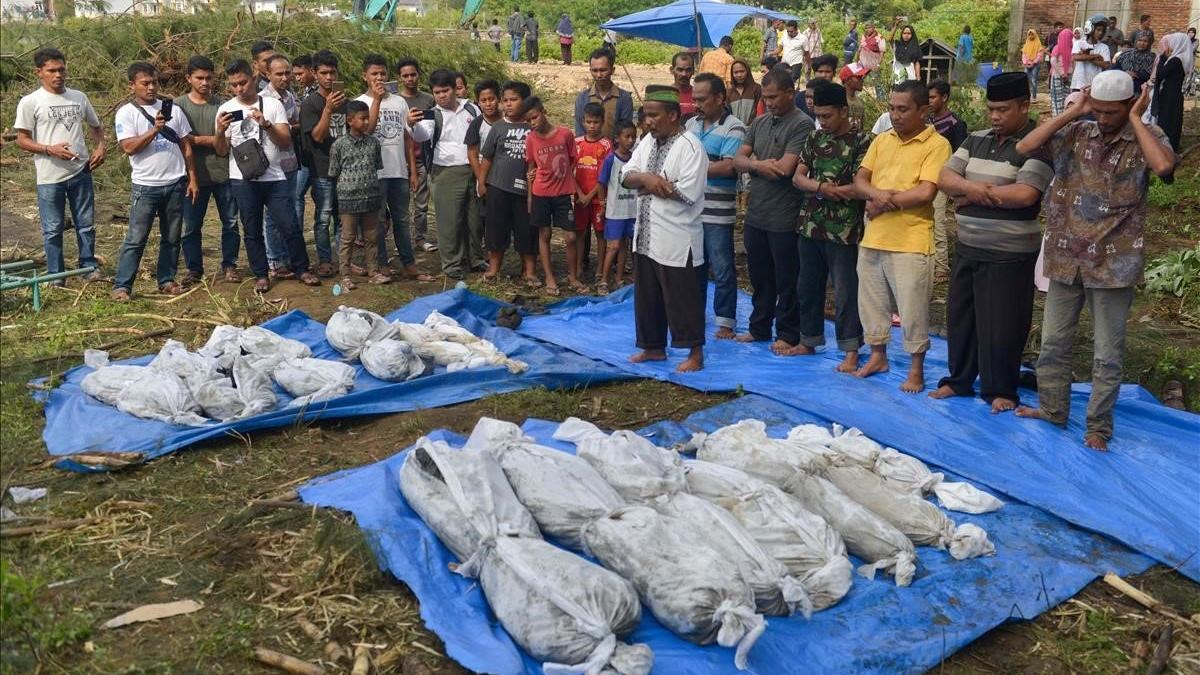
(820,261)
(668,297)
(988,315)
(773,263)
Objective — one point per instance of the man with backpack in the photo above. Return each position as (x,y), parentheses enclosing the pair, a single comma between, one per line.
(445,128)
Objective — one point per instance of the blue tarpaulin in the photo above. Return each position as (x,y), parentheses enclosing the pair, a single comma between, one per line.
(676,23)
(1041,561)
(78,423)
(1145,492)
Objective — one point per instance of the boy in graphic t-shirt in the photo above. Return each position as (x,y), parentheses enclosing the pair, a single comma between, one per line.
(591,148)
(502,182)
(620,206)
(550,152)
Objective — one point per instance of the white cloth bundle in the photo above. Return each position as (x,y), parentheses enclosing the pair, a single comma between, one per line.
(636,468)
(141,391)
(688,586)
(448,329)
(390,359)
(313,380)
(746,446)
(261,342)
(906,472)
(223,345)
(248,393)
(349,329)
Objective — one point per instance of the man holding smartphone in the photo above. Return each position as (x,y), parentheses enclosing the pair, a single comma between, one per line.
(244,119)
(322,121)
(49,126)
(388,121)
(279,87)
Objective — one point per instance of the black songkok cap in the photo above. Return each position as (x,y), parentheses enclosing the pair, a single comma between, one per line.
(1008,86)
(829,93)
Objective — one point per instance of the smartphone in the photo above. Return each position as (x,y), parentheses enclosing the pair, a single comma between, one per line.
(429,114)
(237,115)
(167,106)
(339,87)
(392,87)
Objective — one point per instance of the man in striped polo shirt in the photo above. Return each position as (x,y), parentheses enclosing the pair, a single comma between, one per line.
(721,134)
(997,193)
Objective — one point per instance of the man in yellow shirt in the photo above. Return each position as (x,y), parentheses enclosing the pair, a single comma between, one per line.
(719,61)
(898,178)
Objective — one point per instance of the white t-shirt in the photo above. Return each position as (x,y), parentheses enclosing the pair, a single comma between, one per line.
(1085,71)
(51,119)
(882,124)
(161,162)
(793,48)
(389,131)
(240,132)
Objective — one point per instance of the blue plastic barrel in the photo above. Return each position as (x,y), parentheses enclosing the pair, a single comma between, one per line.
(987,70)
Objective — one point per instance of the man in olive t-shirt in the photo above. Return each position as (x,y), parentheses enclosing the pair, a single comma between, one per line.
(212,173)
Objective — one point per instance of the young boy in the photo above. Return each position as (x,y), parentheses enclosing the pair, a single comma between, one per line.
(550,152)
(461,89)
(487,97)
(354,162)
(591,148)
(502,181)
(620,207)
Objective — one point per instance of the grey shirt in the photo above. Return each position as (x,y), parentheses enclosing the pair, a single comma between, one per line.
(774,202)
(505,146)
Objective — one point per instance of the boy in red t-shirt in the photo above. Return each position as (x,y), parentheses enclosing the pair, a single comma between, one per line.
(550,152)
(592,148)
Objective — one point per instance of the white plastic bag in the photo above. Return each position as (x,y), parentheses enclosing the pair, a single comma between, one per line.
(776,592)
(223,345)
(313,380)
(349,329)
(563,492)
(810,434)
(415,334)
(966,498)
(866,534)
(106,382)
(193,367)
(261,342)
(970,541)
(441,352)
(855,448)
(746,446)
(492,356)
(636,468)
(247,392)
(560,608)
(906,472)
(922,522)
(390,359)
(810,549)
(686,584)
(162,396)
(448,329)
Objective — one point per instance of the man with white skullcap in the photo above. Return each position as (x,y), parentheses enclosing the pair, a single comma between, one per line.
(1094,246)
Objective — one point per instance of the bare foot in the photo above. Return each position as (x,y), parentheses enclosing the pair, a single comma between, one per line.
(1095,441)
(798,350)
(849,364)
(1033,413)
(1001,404)
(915,383)
(781,348)
(725,333)
(648,355)
(944,391)
(745,337)
(876,364)
(694,361)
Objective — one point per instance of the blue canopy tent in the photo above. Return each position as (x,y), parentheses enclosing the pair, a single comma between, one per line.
(679,22)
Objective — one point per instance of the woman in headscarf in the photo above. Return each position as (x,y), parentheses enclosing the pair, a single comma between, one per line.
(1138,62)
(1031,58)
(1173,67)
(566,37)
(870,55)
(1060,71)
(906,57)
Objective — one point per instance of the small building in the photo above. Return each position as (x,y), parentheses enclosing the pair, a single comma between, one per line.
(937,61)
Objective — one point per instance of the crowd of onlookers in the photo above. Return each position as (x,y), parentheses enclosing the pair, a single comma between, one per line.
(824,195)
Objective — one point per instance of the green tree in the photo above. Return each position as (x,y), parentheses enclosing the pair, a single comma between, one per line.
(988,20)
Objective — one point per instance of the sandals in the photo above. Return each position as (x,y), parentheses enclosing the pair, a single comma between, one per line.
(379,278)
(602,288)
(262,285)
(282,274)
(348,284)
(533,283)
(310,279)
(553,290)
(325,270)
(232,276)
(120,295)
(170,288)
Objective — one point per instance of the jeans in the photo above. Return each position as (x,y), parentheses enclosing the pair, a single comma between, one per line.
(193,222)
(164,202)
(276,196)
(304,181)
(396,194)
(718,253)
(821,261)
(52,199)
(1032,73)
(516,49)
(1110,310)
(326,220)
(277,256)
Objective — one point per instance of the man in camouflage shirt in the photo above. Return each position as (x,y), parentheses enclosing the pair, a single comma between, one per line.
(831,225)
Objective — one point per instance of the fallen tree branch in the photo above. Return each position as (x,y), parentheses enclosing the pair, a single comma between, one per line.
(138,335)
(1144,599)
(46,527)
(288,664)
(1162,651)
